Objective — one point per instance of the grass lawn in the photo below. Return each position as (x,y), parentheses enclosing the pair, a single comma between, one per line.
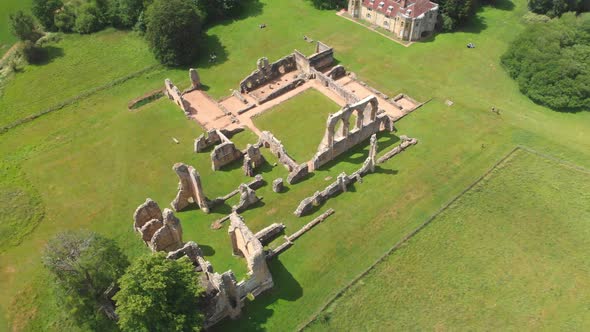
(92,163)
(8,7)
(511,254)
(301,122)
(76,64)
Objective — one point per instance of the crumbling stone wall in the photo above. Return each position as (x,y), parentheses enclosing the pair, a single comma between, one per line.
(206,140)
(330,83)
(341,184)
(190,189)
(225,296)
(160,231)
(339,140)
(247,245)
(174,94)
(323,56)
(268,140)
(267,72)
(247,198)
(224,154)
(252,159)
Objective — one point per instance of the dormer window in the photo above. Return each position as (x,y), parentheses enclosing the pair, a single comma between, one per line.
(381,4)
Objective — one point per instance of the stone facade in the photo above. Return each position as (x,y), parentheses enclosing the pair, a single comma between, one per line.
(408,19)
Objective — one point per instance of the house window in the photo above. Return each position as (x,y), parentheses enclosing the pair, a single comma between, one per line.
(368,15)
(385,23)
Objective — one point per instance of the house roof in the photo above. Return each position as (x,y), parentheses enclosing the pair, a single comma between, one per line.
(413,8)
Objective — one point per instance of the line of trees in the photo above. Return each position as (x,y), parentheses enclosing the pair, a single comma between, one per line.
(102,290)
(550,62)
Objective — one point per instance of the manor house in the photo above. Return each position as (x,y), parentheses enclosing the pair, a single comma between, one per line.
(407,19)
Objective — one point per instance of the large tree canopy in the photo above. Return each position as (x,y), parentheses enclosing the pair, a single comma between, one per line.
(553,8)
(23,27)
(551,62)
(173,31)
(86,267)
(159,294)
(456,12)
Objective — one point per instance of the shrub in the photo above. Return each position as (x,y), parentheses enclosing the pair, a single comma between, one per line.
(173,30)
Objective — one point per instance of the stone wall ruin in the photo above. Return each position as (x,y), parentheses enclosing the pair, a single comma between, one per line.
(339,139)
(341,184)
(159,231)
(190,189)
(267,72)
(174,94)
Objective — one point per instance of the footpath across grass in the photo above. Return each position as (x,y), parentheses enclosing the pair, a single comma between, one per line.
(509,254)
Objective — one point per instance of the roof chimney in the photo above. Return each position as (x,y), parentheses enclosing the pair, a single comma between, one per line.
(403,3)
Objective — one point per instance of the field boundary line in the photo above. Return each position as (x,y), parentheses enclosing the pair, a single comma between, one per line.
(407,237)
(77,98)
(557,160)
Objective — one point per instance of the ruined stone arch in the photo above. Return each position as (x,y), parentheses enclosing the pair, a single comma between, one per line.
(370,111)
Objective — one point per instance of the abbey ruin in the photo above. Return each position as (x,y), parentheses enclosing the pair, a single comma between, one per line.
(364,113)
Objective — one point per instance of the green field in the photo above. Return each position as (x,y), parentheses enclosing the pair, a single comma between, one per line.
(6,8)
(90,164)
(305,113)
(75,65)
(510,254)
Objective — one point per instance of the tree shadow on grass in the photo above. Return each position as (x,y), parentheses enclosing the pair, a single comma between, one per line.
(256,313)
(252,8)
(207,250)
(500,4)
(50,53)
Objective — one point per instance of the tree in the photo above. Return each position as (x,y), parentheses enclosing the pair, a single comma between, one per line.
(173,29)
(329,4)
(88,19)
(23,27)
(159,294)
(65,19)
(86,267)
(456,12)
(45,10)
(125,13)
(550,62)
